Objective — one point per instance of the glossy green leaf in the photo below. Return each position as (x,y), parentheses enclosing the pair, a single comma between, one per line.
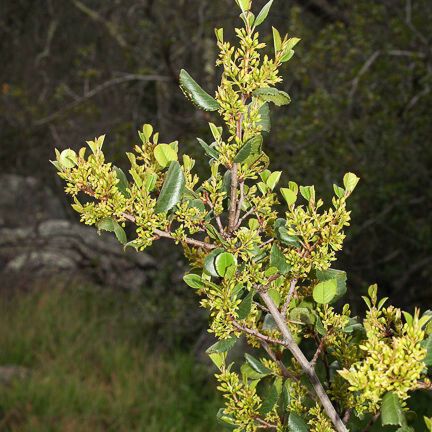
(251,147)
(340,192)
(209,262)
(270,94)
(226,420)
(123,183)
(303,315)
(218,358)
(339,275)
(270,399)
(265,121)
(277,40)
(222,346)
(391,410)
(111,225)
(257,365)
(164,154)
(210,151)
(296,423)
(427,344)
(172,189)
(196,94)
(150,181)
(278,260)
(325,291)
(350,181)
(264,13)
(224,262)
(245,306)
(289,196)
(428,422)
(68,159)
(245,5)
(286,238)
(273,179)
(194,281)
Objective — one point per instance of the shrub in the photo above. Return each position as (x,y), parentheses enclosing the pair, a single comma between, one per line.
(263,269)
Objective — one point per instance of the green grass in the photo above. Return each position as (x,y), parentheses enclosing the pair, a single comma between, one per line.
(93,369)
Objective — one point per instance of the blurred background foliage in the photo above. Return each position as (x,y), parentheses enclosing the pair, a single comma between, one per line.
(361,87)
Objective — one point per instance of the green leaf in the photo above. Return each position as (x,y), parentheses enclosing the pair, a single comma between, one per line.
(289,196)
(269,400)
(222,346)
(194,281)
(210,151)
(303,315)
(196,94)
(165,154)
(68,159)
(275,296)
(278,260)
(286,238)
(172,189)
(325,291)
(150,181)
(428,422)
(270,94)
(340,192)
(123,183)
(226,420)
(339,275)
(265,121)
(111,225)
(308,192)
(251,147)
(427,344)
(263,14)
(296,423)
(245,306)
(273,179)
(287,56)
(249,373)
(292,42)
(350,181)
(245,5)
(223,262)
(257,365)
(391,410)
(218,358)
(209,262)
(277,40)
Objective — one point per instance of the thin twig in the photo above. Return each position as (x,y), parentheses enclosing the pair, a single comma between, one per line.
(289,298)
(233,198)
(168,235)
(240,203)
(257,334)
(247,214)
(187,240)
(318,352)
(304,363)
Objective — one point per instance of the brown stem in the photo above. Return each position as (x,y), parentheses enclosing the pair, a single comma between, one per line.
(233,197)
(248,213)
(166,234)
(318,352)
(189,241)
(289,298)
(240,203)
(305,365)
